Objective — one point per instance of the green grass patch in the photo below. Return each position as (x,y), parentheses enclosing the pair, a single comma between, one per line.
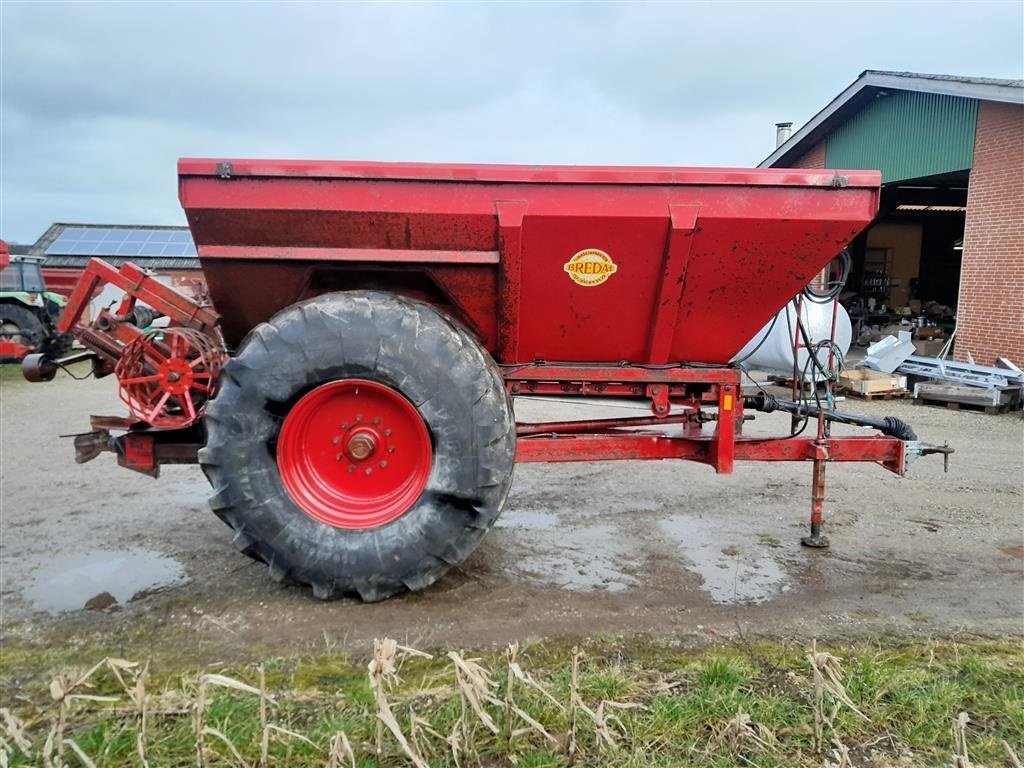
(662,706)
(11,372)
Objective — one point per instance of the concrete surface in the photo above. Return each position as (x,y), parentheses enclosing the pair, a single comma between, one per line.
(582,549)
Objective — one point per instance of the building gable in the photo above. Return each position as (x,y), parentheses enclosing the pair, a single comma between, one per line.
(906,135)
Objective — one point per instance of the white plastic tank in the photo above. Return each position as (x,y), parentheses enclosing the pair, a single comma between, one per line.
(771,349)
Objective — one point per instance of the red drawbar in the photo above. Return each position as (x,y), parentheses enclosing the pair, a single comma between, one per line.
(354,454)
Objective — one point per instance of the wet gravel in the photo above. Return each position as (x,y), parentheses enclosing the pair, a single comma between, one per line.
(666,548)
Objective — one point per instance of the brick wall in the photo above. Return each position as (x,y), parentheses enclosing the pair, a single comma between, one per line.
(812,158)
(990,313)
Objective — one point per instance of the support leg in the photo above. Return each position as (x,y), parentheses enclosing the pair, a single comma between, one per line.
(816,540)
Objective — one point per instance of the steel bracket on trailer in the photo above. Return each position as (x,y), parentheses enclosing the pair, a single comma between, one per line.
(672,281)
(662,386)
(165,375)
(138,286)
(142,451)
(510,230)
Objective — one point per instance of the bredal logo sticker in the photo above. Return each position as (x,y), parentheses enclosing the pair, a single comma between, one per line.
(590,267)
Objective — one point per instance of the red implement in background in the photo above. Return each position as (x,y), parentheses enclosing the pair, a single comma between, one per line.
(10,350)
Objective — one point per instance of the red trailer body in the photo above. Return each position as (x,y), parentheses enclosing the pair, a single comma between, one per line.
(375,321)
(704,255)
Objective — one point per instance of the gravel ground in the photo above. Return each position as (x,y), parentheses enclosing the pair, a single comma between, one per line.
(666,548)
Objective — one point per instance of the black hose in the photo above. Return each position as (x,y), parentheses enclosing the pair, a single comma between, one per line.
(760,344)
(890,425)
(835,287)
(898,428)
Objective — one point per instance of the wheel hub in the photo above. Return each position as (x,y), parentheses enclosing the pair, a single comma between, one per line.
(361,446)
(354,454)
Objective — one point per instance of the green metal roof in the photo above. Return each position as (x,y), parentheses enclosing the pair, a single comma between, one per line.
(906,135)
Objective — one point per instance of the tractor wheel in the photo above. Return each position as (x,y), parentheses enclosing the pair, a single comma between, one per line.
(361,443)
(20,325)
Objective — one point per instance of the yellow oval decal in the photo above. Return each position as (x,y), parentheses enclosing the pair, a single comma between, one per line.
(590,267)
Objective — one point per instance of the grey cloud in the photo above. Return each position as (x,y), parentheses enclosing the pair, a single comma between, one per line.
(100,99)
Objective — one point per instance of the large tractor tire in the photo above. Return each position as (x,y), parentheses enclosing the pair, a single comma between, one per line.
(361,443)
(20,325)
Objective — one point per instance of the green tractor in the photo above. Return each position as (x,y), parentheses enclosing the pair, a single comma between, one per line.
(28,312)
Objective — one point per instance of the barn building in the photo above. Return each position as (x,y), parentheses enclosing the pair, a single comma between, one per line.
(951,225)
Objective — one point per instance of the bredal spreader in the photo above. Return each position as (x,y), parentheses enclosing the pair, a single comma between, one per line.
(350,397)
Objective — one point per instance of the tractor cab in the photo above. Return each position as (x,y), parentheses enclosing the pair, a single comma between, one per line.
(23,274)
(28,312)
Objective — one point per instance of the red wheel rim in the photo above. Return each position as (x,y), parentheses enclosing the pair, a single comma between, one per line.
(354,454)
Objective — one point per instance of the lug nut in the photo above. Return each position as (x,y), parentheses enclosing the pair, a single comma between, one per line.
(387,433)
(383,464)
(335,439)
(369,470)
(376,419)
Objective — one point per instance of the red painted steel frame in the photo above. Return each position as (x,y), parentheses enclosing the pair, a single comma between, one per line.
(606,440)
(887,451)
(138,286)
(13,350)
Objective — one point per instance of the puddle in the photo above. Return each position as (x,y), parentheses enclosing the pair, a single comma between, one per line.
(735,567)
(67,582)
(580,559)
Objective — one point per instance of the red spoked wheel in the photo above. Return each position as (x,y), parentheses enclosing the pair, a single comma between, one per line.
(167,376)
(354,454)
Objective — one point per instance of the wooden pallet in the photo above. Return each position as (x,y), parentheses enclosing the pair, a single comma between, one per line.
(958,398)
(806,386)
(953,405)
(886,394)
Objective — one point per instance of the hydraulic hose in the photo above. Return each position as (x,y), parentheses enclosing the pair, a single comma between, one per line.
(834,287)
(890,426)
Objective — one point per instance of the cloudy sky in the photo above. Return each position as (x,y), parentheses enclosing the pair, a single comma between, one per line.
(99,100)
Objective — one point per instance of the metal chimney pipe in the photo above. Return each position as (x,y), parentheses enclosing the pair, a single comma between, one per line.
(782,133)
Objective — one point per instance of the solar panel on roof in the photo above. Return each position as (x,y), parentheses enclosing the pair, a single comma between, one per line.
(120,241)
(129,248)
(152,249)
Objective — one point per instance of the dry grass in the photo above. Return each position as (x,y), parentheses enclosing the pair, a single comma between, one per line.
(928,705)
